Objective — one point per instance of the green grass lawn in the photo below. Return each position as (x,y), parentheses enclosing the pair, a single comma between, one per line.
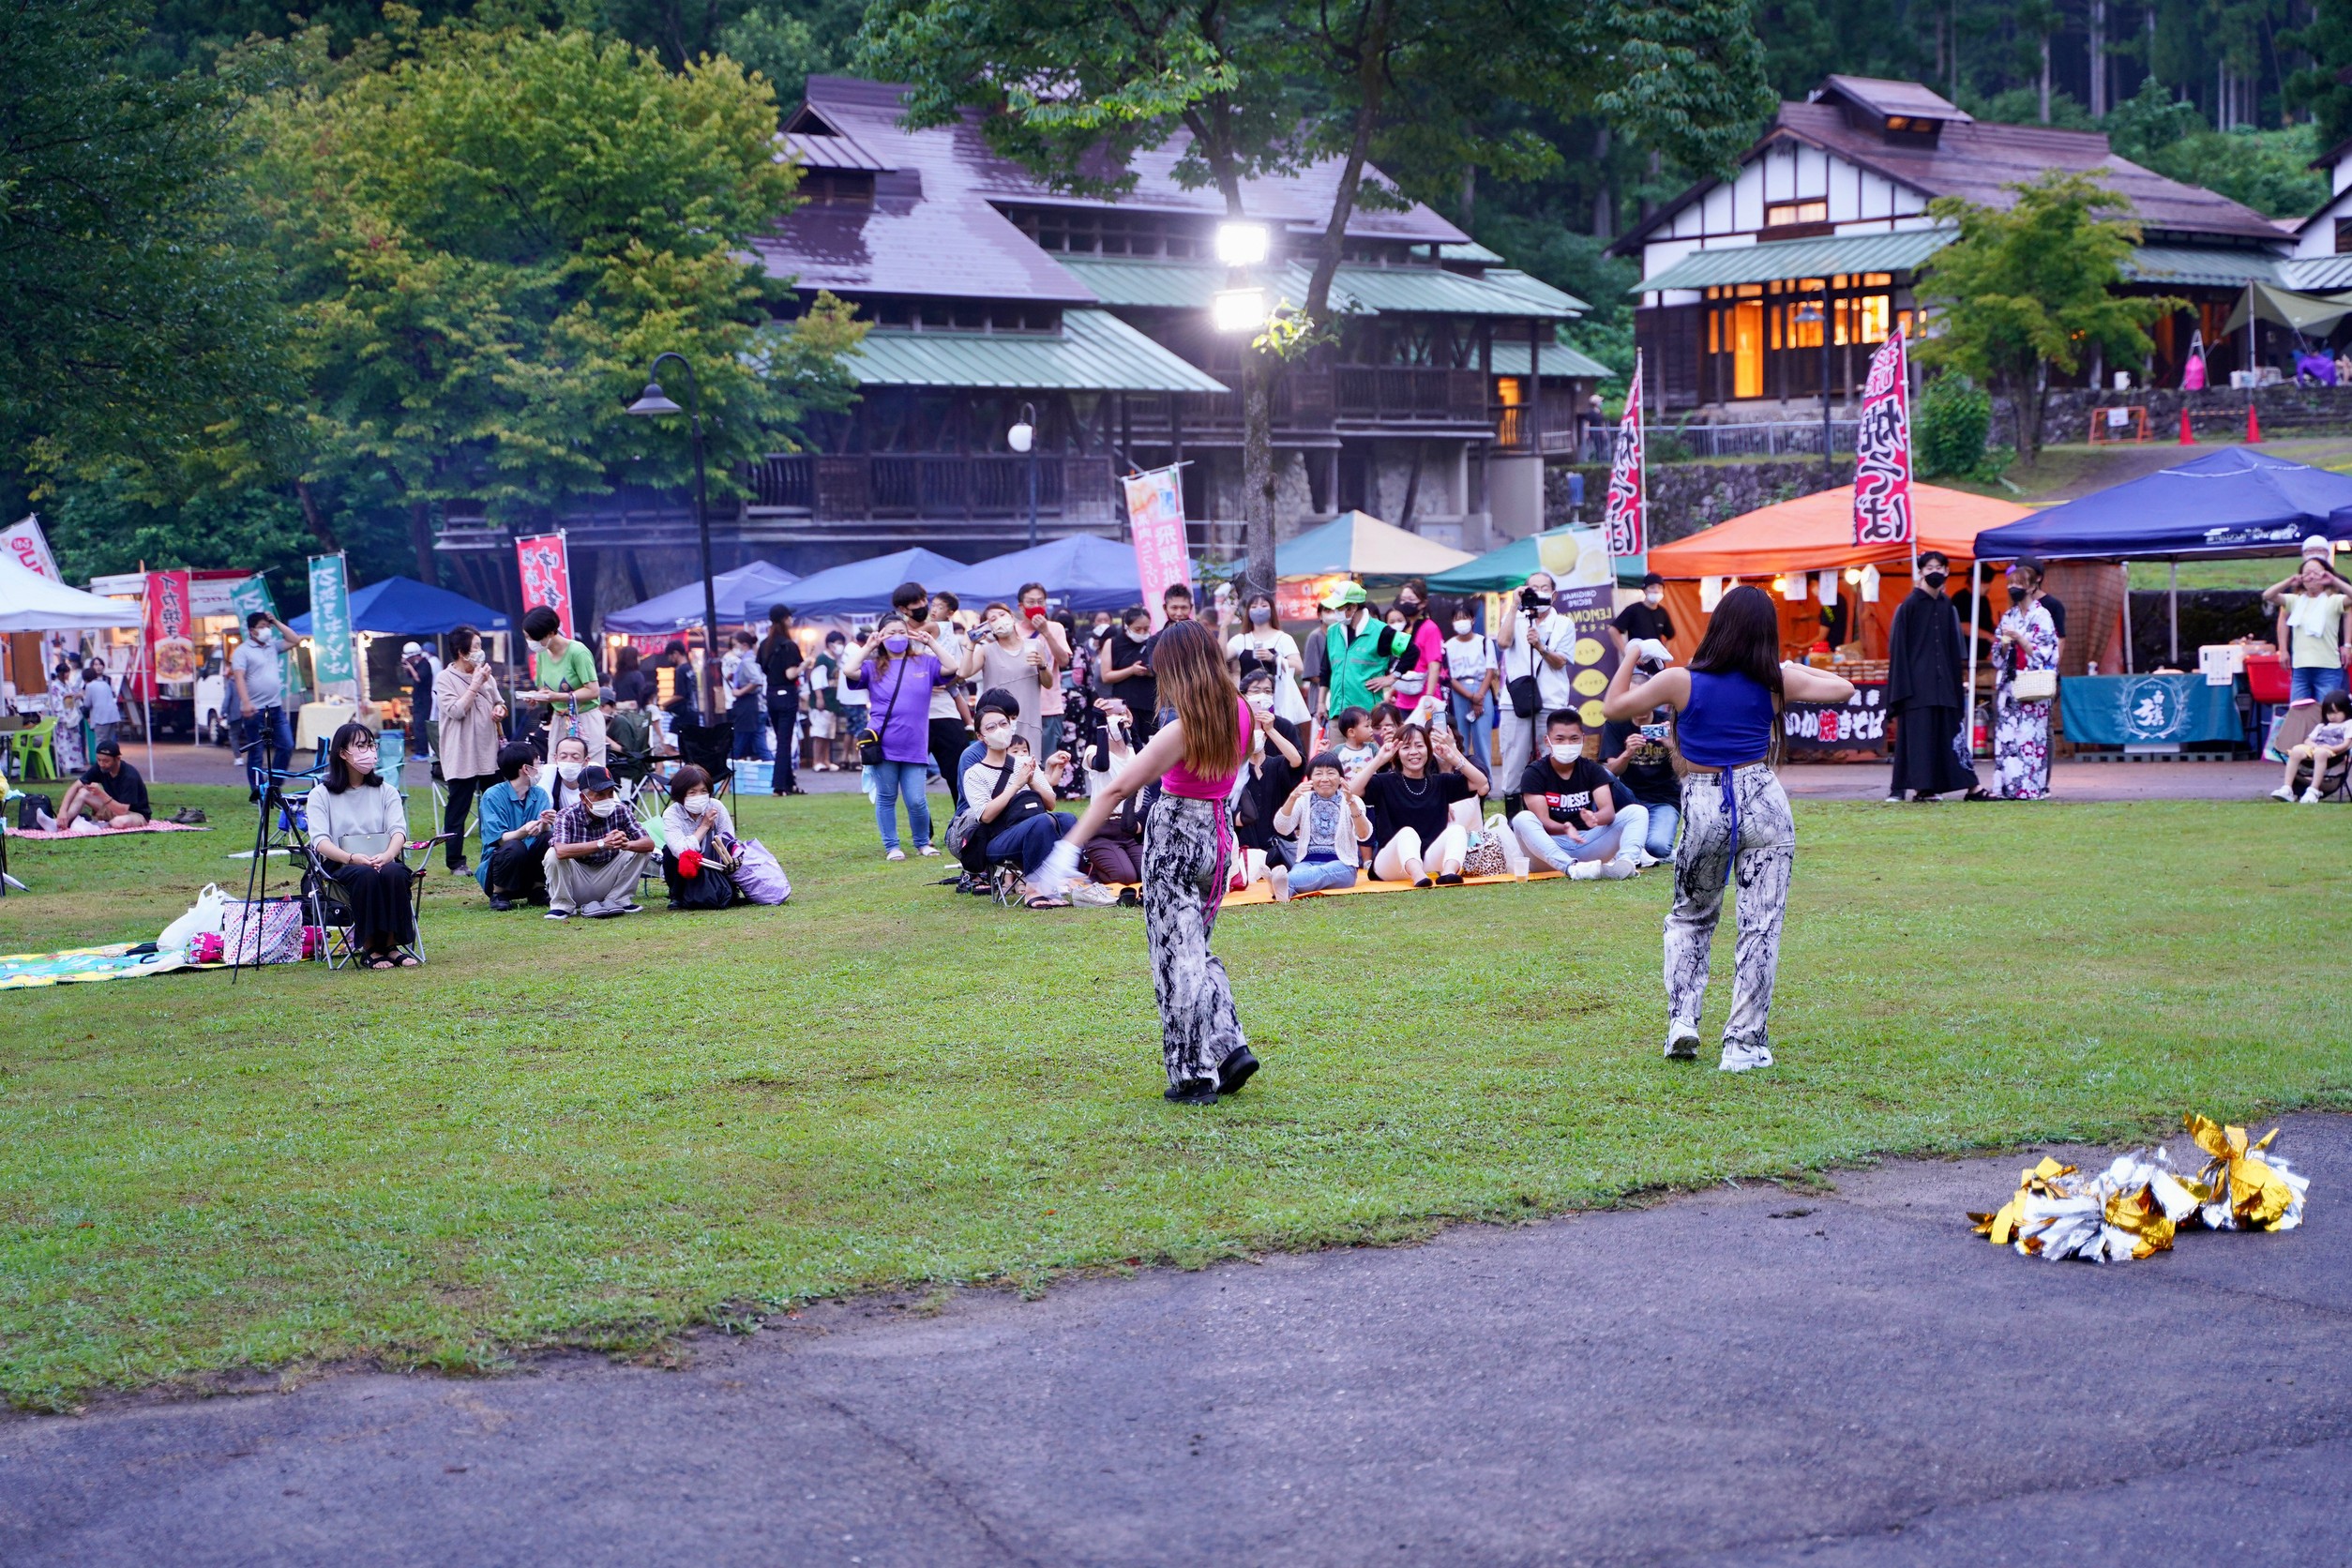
(598,1133)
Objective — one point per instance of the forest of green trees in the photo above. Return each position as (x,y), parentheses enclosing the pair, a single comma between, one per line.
(268,271)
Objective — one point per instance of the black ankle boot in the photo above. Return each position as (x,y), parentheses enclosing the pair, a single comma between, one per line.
(1234,1071)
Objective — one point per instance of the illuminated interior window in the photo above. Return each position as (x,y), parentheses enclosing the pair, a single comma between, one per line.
(1814,210)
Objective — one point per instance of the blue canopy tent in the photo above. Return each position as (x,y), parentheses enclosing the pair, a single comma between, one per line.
(403,606)
(1085,571)
(744,595)
(862,588)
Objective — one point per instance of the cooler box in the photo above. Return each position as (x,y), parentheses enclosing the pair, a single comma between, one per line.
(753,776)
(2267,678)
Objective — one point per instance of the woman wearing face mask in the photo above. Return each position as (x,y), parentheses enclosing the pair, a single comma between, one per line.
(1278,755)
(1473,684)
(899,669)
(465,695)
(700,848)
(1008,658)
(1014,797)
(359,827)
(1261,644)
(2026,639)
(1421,663)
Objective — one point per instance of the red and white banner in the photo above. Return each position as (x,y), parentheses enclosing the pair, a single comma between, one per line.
(1155,511)
(25,544)
(547,577)
(1882,450)
(1626,513)
(171,625)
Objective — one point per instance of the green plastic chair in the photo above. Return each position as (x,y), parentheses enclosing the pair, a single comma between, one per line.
(28,750)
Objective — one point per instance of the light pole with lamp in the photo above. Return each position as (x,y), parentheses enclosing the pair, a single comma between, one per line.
(1022,437)
(1819,315)
(1240,307)
(653,401)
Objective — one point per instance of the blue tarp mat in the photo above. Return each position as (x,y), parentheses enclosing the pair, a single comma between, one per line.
(403,606)
(1085,571)
(2235,502)
(862,588)
(744,595)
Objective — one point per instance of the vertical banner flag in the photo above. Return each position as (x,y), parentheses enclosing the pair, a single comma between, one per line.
(171,625)
(330,622)
(1156,510)
(547,577)
(249,595)
(1882,451)
(25,544)
(1626,512)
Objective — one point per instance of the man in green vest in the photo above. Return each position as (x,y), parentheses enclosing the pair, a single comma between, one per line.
(1359,647)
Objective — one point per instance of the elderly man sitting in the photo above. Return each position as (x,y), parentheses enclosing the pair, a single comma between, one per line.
(599,852)
(112,794)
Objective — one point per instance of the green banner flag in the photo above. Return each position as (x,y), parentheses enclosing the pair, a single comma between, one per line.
(330,622)
(253,594)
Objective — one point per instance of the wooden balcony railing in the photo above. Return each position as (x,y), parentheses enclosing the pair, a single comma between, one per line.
(929,485)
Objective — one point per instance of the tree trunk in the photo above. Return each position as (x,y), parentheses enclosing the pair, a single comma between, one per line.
(2098,59)
(420,539)
(1604,208)
(1470,195)
(1257,478)
(2045,79)
(313,516)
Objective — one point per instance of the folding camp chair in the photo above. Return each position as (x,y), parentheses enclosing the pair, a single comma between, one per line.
(2335,779)
(328,909)
(707,747)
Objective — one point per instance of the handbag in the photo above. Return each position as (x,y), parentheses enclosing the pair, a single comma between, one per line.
(1527,698)
(264,931)
(2034,686)
(758,876)
(869,744)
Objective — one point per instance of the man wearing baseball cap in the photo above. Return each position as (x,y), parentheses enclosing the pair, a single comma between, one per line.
(1357,646)
(598,854)
(418,670)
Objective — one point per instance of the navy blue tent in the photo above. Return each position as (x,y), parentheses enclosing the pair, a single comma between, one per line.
(744,595)
(862,588)
(2234,501)
(1085,572)
(403,606)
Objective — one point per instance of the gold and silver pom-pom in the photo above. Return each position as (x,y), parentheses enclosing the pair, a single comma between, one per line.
(2138,1203)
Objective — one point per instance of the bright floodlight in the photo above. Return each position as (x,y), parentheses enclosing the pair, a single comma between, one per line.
(1238,310)
(1241,244)
(653,401)
(1019,436)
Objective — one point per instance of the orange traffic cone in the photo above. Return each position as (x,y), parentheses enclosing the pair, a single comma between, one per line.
(2186,439)
(2254,426)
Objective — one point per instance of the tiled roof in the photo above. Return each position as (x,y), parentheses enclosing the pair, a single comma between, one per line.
(1558,360)
(2198,267)
(1095,351)
(1825,257)
(1883,96)
(1355,289)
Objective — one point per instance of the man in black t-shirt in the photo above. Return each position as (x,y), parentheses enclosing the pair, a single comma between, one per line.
(779,660)
(1648,618)
(1569,819)
(110,794)
(1643,770)
(1127,673)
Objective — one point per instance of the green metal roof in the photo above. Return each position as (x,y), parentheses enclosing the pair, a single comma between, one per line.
(1095,351)
(1356,290)
(1558,360)
(2317,274)
(1900,251)
(2195,266)
(1551,301)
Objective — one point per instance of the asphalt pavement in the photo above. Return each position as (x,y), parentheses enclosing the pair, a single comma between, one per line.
(1744,1376)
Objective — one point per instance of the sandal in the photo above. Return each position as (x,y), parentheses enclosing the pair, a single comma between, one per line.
(1039,902)
(408,960)
(380,960)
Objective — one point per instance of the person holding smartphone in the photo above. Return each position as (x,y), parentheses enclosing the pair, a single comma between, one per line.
(1641,757)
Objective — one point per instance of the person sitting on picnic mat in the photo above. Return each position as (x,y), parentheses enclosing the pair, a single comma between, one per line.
(1412,806)
(359,825)
(599,852)
(516,817)
(110,795)
(1570,820)
(1329,824)
(702,844)
(1013,795)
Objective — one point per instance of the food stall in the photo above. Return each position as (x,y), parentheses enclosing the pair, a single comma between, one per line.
(168,667)
(1836,598)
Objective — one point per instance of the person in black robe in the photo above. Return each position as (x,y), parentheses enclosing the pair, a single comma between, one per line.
(1926,675)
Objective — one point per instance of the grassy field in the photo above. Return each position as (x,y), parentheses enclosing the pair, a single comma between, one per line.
(598,1132)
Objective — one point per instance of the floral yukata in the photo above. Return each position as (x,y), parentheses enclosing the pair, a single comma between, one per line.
(2021,730)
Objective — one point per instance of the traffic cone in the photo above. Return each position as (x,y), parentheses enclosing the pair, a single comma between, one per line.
(2186,439)
(2254,426)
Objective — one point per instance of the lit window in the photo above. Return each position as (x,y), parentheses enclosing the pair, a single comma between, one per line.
(1815,210)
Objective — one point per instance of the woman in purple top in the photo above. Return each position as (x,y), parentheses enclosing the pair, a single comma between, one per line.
(901,667)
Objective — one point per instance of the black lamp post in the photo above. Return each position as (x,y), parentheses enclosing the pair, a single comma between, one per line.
(653,401)
(1022,437)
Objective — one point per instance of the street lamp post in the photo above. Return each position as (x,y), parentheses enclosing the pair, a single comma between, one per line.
(653,402)
(1022,437)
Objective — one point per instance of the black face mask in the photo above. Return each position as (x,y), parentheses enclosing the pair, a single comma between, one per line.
(917,614)
(1934,581)
(2019,595)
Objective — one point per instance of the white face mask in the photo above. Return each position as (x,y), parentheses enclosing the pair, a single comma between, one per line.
(1566,754)
(1654,597)
(696,804)
(568,772)
(604,808)
(262,637)
(996,737)
(1463,625)
(527,781)
(1259,614)
(536,647)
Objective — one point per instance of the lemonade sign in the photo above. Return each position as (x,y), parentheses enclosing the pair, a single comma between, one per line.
(1578,558)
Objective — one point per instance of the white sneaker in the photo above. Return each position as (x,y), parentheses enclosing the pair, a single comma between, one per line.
(1584,870)
(896,855)
(1643,860)
(2284,792)
(1742,1059)
(2310,796)
(1618,870)
(49,823)
(1682,1045)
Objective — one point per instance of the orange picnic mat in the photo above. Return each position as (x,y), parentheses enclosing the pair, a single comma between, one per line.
(1261,892)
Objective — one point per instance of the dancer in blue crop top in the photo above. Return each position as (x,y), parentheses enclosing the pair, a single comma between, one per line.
(1735,819)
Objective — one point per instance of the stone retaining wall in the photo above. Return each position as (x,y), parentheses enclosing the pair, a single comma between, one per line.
(2214,416)
(1686,497)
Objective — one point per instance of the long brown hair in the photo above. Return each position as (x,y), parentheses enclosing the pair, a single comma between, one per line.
(1742,638)
(1193,680)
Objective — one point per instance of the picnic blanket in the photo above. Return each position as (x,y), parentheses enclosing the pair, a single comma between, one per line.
(76,965)
(43,835)
(1261,892)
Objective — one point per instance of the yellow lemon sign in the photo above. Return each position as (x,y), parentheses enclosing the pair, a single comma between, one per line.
(1590,683)
(1586,651)
(1593,716)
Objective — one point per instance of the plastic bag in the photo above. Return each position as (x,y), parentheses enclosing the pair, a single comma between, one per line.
(202,919)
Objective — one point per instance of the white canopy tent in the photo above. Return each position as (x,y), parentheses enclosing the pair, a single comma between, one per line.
(31,602)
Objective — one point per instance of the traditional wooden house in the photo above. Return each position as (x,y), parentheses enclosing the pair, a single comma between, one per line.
(993,296)
(1825,227)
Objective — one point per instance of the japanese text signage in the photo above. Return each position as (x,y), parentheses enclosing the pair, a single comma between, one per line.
(1625,513)
(547,577)
(1882,451)
(330,622)
(1155,511)
(1858,724)
(23,543)
(171,625)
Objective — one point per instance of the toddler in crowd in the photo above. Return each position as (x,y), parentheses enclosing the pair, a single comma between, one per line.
(2329,739)
(1359,739)
(1330,824)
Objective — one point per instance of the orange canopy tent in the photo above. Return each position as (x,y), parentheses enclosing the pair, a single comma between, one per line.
(1815,533)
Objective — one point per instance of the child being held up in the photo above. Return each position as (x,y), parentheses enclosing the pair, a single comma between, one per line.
(1330,824)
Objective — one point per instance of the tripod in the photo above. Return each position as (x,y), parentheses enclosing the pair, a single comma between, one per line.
(275,828)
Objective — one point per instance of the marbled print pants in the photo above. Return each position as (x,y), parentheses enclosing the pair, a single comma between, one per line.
(1759,864)
(1186,852)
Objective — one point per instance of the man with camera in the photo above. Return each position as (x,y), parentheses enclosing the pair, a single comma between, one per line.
(1537,645)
